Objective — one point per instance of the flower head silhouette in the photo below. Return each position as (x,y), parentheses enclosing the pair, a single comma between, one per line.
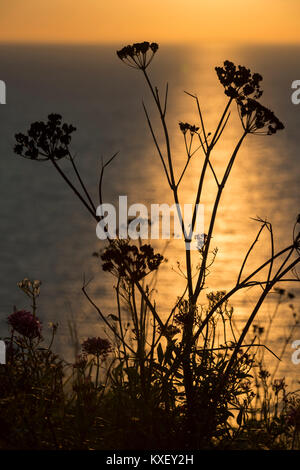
(45,140)
(185,126)
(96,346)
(257,119)
(25,324)
(239,81)
(138,55)
(121,255)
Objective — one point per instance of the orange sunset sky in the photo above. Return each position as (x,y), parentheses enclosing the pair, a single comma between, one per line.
(94,21)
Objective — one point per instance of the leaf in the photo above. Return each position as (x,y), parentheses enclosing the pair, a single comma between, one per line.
(240,416)
(160,353)
(169,354)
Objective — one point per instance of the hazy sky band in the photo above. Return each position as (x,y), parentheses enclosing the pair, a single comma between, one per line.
(94,21)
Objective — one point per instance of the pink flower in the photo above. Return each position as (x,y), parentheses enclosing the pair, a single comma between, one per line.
(96,346)
(24,323)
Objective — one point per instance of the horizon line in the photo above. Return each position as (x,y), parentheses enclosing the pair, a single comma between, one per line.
(165,42)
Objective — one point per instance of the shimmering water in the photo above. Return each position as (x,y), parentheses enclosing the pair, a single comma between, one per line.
(47,235)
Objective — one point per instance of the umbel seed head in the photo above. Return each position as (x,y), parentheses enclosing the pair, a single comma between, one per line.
(239,81)
(257,119)
(138,55)
(45,140)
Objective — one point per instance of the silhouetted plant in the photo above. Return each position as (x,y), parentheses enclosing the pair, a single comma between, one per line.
(171,383)
(45,141)
(239,81)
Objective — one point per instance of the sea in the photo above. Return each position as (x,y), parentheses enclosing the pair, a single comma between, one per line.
(47,234)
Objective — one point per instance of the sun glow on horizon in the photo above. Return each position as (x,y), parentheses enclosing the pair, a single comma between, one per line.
(98,21)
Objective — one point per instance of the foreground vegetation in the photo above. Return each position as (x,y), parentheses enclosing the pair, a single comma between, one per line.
(155,382)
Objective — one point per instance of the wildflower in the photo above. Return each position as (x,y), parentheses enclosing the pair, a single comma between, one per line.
(263,374)
(96,346)
(256,118)
(137,55)
(278,385)
(31,288)
(239,81)
(24,323)
(53,326)
(45,140)
(121,255)
(215,297)
(185,126)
